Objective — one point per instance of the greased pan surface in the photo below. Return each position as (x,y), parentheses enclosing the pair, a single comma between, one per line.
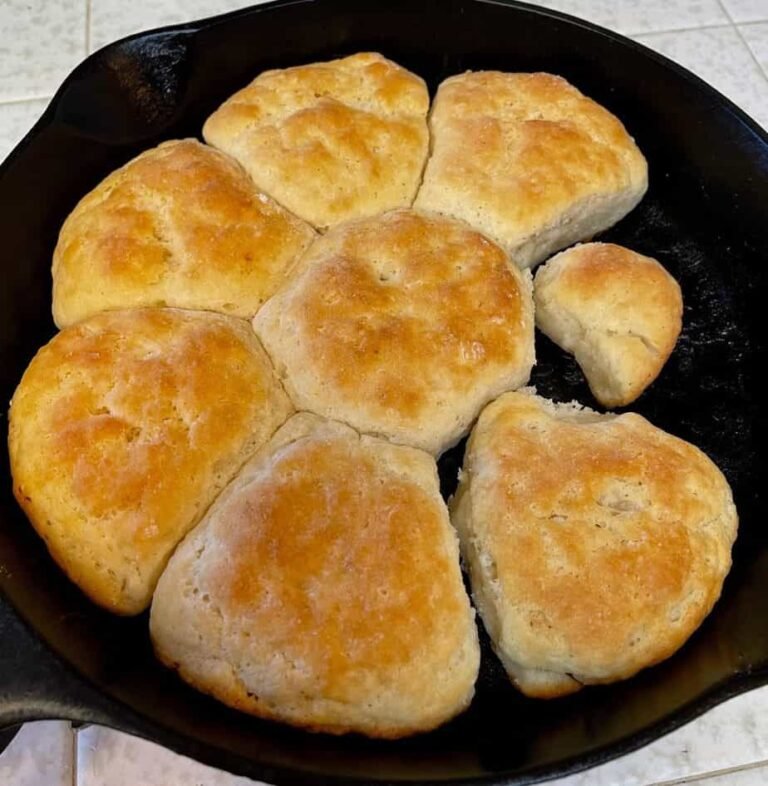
(704,218)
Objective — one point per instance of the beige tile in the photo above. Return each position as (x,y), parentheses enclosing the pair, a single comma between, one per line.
(113,19)
(720,57)
(41,41)
(747,10)
(16,120)
(733,734)
(111,758)
(41,754)
(755,775)
(631,17)
(756,35)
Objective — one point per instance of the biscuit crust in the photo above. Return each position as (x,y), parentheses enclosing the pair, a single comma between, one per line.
(596,544)
(330,141)
(620,314)
(323,589)
(124,429)
(530,161)
(404,325)
(180,225)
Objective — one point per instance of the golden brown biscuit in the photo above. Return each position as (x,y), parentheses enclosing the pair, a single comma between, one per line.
(596,544)
(618,312)
(180,225)
(403,325)
(330,141)
(530,161)
(124,429)
(323,589)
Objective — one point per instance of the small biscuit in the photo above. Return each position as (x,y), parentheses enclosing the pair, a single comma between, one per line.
(330,141)
(323,589)
(181,225)
(618,312)
(530,161)
(404,325)
(124,429)
(596,544)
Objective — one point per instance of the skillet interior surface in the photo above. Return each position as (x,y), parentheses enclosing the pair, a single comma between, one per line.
(704,218)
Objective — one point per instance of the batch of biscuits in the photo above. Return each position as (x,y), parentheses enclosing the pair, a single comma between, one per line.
(267,340)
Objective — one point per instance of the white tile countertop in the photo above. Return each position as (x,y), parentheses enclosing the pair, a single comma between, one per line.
(724,41)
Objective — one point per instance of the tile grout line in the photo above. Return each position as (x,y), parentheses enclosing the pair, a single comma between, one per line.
(88,12)
(26,100)
(74,754)
(713,26)
(703,776)
(751,52)
(743,40)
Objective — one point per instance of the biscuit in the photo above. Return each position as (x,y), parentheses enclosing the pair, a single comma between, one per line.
(323,589)
(619,313)
(330,141)
(181,225)
(530,161)
(124,429)
(404,325)
(596,544)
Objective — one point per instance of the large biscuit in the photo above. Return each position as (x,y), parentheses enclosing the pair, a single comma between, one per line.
(181,225)
(404,325)
(124,429)
(618,312)
(530,161)
(323,589)
(330,141)
(596,544)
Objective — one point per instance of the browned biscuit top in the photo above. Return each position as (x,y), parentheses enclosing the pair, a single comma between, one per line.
(597,543)
(403,325)
(181,225)
(330,141)
(619,312)
(529,160)
(324,589)
(123,430)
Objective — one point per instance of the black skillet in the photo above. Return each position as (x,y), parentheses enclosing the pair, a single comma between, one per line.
(705,217)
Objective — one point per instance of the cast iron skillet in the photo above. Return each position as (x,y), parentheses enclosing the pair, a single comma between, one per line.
(704,218)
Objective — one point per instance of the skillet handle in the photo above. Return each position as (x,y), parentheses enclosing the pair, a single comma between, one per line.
(36,685)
